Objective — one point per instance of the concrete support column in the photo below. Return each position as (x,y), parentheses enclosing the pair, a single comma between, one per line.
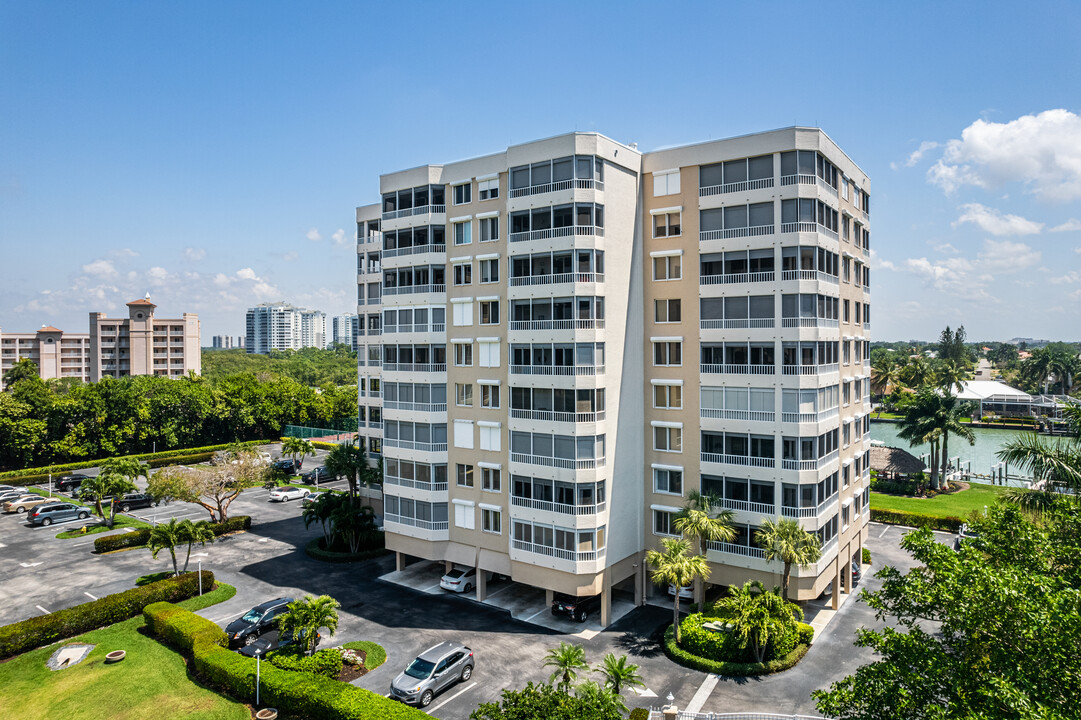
(399,561)
(482,585)
(836,600)
(447,566)
(549,596)
(639,589)
(606,599)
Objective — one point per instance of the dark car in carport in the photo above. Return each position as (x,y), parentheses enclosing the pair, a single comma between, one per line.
(576,608)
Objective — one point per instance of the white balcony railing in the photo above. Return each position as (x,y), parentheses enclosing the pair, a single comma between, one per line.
(809,322)
(735,187)
(556,187)
(557,325)
(798,180)
(748,460)
(556,279)
(414,250)
(579,464)
(809,369)
(553,416)
(728,369)
(732,549)
(416,522)
(808,417)
(562,508)
(748,506)
(414,445)
(415,367)
(573,555)
(752,415)
(412,289)
(791,227)
(413,406)
(736,323)
(556,370)
(736,278)
(420,210)
(799,512)
(549,233)
(751,231)
(417,484)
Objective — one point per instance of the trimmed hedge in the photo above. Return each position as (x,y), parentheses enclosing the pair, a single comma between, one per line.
(639,714)
(38,631)
(866,557)
(899,517)
(682,657)
(313,549)
(292,693)
(32,476)
(724,647)
(326,663)
(140,538)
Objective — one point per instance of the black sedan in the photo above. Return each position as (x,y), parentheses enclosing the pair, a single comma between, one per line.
(317,475)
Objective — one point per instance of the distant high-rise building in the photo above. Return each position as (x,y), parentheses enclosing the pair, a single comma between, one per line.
(280,326)
(227,342)
(344,331)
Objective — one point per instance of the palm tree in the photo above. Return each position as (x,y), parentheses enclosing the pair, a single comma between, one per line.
(191,533)
(675,567)
(567,659)
(294,447)
(885,375)
(116,478)
(1057,463)
(619,674)
(757,615)
(1066,367)
(917,372)
(322,510)
(1039,367)
(698,522)
(786,541)
(166,536)
(948,420)
(600,698)
(919,426)
(950,375)
(306,616)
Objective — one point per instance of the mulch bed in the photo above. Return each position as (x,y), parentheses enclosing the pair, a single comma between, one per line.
(352,672)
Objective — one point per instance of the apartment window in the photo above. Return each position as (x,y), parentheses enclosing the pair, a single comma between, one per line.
(463,232)
(844,310)
(668,439)
(463,273)
(488,189)
(667,311)
(667,354)
(844,187)
(463,434)
(846,512)
(464,515)
(846,434)
(489,229)
(463,354)
(463,193)
(846,391)
(846,266)
(375,445)
(663,523)
(490,437)
(489,396)
(490,479)
(463,394)
(489,312)
(667,481)
(666,182)
(489,271)
(666,224)
(489,353)
(668,268)
(491,521)
(668,397)
(463,314)
(464,475)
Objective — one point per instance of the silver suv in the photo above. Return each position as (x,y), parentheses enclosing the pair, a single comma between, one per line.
(57,512)
(434,670)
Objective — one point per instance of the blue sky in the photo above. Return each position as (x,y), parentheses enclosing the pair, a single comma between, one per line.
(212,153)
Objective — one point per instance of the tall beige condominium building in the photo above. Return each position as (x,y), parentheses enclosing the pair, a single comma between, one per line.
(576,335)
(368,333)
(56,353)
(143,344)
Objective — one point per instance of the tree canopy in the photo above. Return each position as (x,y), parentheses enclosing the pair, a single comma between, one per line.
(309,366)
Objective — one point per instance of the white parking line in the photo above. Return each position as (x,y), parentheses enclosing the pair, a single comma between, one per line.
(884,531)
(92,597)
(534,615)
(467,687)
(703,693)
(43,610)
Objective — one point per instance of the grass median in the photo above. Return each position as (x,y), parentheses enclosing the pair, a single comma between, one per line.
(959,504)
(122,521)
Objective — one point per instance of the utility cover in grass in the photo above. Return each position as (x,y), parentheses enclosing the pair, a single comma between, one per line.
(67,656)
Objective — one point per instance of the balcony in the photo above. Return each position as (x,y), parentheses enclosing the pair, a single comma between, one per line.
(751,415)
(413,250)
(416,522)
(556,370)
(799,512)
(556,187)
(797,417)
(548,551)
(736,323)
(739,232)
(414,445)
(746,460)
(549,233)
(748,506)
(414,289)
(731,549)
(808,227)
(415,367)
(735,187)
(557,507)
(415,328)
(553,416)
(809,322)
(736,278)
(557,279)
(810,275)
(416,484)
(414,407)
(816,464)
(421,210)
(572,464)
(557,325)
(728,369)
(809,369)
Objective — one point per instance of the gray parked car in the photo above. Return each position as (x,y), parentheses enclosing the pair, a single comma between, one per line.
(57,512)
(434,670)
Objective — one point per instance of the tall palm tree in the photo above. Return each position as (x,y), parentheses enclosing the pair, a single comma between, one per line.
(322,511)
(619,673)
(786,541)
(166,536)
(948,420)
(1057,463)
(1066,367)
(675,567)
(950,375)
(297,447)
(917,372)
(1039,367)
(567,659)
(919,426)
(113,481)
(698,522)
(303,619)
(191,533)
(885,375)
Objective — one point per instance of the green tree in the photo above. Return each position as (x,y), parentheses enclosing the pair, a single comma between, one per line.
(567,659)
(948,420)
(22,370)
(304,618)
(1038,368)
(699,522)
(1055,463)
(350,460)
(674,566)
(296,447)
(785,541)
(919,426)
(166,536)
(991,631)
(355,526)
(213,487)
(105,486)
(190,533)
(322,510)
(885,374)
(757,616)
(534,702)
(619,673)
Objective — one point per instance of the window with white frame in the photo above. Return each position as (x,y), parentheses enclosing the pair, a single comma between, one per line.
(463,475)
(669,267)
(488,189)
(489,271)
(666,182)
(668,354)
(463,273)
(667,396)
(844,186)
(663,523)
(463,394)
(489,396)
(491,521)
(464,515)
(463,354)
(668,481)
(463,193)
(463,232)
(489,312)
(489,353)
(668,439)
(462,313)
(490,437)
(490,479)
(489,229)
(667,224)
(667,311)
(463,434)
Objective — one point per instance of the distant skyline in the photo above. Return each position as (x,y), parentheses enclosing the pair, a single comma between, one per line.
(212,154)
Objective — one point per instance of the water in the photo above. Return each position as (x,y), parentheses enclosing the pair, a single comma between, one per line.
(983,454)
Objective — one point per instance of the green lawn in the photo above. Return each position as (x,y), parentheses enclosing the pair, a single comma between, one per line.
(955,505)
(375,655)
(152,682)
(122,521)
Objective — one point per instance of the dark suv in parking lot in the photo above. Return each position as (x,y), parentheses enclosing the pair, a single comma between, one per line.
(70,483)
(577,608)
(135,500)
(261,618)
(287,465)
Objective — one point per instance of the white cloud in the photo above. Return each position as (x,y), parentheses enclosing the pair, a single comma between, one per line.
(338,237)
(313,235)
(246,274)
(1069,226)
(157,275)
(1006,256)
(101,268)
(1068,279)
(1042,151)
(925,147)
(946,249)
(194,254)
(968,277)
(994,222)
(1075,295)
(124,252)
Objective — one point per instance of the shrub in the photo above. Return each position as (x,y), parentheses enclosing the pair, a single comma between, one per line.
(899,517)
(866,557)
(327,663)
(806,633)
(141,537)
(38,631)
(682,657)
(374,654)
(639,714)
(314,549)
(724,646)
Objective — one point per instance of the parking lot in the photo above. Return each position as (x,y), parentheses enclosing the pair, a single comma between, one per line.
(509,634)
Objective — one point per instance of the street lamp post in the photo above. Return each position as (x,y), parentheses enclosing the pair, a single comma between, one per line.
(258,653)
